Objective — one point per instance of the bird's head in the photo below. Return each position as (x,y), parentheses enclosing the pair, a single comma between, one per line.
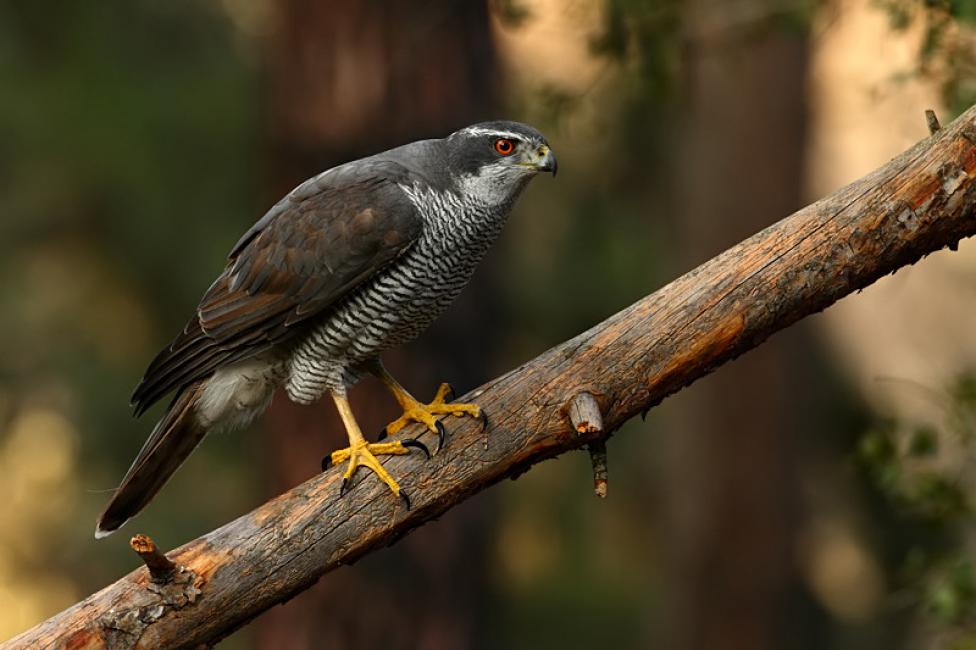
(493,161)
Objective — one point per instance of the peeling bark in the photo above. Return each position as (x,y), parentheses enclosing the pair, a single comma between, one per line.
(918,203)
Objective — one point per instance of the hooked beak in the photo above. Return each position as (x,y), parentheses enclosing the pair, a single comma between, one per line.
(545,160)
(540,160)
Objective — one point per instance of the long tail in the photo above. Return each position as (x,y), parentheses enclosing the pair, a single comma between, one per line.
(172,440)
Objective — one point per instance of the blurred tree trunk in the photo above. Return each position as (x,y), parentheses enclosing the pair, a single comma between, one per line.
(732,488)
(345,79)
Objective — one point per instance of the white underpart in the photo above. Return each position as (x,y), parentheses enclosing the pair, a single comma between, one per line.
(491,185)
(238,393)
(399,302)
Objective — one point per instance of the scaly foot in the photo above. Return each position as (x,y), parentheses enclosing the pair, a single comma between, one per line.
(426,414)
(363,454)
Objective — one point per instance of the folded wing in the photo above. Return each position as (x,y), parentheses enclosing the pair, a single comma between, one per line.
(318,244)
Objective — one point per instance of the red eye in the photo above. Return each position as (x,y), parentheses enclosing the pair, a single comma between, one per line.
(504,146)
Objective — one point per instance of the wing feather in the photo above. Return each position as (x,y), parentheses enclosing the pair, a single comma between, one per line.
(319,243)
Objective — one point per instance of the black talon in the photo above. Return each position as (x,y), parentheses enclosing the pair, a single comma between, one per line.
(406,499)
(382,435)
(413,443)
(441,434)
(327,462)
(344,487)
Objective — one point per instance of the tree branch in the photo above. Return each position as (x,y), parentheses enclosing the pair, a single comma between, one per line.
(918,203)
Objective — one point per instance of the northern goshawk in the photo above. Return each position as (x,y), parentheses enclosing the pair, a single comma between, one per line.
(352,262)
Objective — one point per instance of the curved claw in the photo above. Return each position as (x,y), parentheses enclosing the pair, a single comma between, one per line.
(344,487)
(327,462)
(383,434)
(413,443)
(441,434)
(449,395)
(406,499)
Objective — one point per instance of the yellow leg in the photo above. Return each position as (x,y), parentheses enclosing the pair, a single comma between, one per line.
(359,453)
(415,411)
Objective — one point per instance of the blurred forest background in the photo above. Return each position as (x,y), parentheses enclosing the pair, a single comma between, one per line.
(816,493)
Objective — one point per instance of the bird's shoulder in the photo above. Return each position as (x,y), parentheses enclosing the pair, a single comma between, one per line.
(373,184)
(324,238)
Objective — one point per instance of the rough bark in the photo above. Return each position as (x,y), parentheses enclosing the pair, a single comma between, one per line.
(920,202)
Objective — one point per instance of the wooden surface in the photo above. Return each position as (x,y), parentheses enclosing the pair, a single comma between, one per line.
(918,203)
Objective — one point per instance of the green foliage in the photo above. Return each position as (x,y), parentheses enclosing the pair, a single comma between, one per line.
(920,471)
(646,34)
(511,12)
(945,53)
(655,36)
(952,595)
(127,165)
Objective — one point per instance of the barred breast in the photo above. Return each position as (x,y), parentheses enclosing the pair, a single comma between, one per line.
(401,301)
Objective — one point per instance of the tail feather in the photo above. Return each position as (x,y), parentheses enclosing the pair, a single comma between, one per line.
(172,440)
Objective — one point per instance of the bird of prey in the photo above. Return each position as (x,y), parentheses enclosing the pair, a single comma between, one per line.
(354,261)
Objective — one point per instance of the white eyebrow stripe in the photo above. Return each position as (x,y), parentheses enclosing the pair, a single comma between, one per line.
(475,130)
